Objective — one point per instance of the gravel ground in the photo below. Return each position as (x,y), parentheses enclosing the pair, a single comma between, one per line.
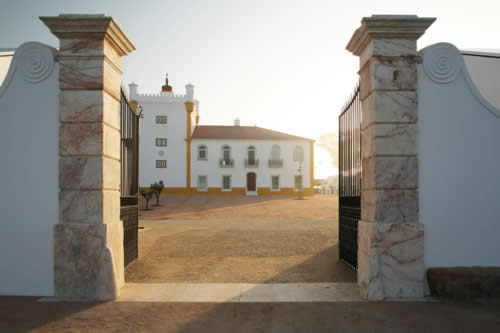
(263,251)
(215,207)
(221,238)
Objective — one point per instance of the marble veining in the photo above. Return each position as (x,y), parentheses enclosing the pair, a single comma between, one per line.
(81,206)
(394,258)
(83,263)
(388,172)
(81,73)
(80,139)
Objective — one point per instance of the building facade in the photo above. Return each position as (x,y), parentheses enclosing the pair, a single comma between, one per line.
(167,121)
(191,158)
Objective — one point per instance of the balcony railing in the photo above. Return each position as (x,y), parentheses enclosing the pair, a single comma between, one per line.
(275,163)
(251,163)
(226,163)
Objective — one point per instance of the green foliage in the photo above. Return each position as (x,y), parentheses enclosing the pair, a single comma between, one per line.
(156,188)
(147,194)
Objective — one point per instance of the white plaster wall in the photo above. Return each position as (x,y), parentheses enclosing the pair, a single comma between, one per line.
(210,167)
(484,70)
(459,155)
(29,172)
(173,106)
(175,131)
(175,152)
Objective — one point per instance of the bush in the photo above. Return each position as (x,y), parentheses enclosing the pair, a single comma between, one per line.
(157,187)
(147,194)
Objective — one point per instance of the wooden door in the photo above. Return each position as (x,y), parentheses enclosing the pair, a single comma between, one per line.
(251,184)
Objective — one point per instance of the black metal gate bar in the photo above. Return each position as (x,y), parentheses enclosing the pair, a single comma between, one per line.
(350,179)
(129,214)
(129,149)
(129,174)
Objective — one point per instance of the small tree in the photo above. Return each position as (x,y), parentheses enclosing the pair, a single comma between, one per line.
(157,187)
(161,186)
(301,185)
(147,194)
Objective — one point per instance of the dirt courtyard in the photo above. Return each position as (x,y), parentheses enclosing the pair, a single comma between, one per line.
(233,207)
(233,239)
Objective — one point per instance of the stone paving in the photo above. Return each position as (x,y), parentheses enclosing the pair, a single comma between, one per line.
(240,292)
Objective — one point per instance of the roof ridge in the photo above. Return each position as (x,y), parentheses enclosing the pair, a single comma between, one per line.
(248,133)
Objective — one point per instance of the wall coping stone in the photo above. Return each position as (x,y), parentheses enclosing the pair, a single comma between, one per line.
(410,27)
(70,26)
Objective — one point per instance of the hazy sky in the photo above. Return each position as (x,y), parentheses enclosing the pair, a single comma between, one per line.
(275,64)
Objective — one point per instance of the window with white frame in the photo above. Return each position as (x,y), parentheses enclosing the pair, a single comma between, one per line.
(161,142)
(251,155)
(275,153)
(202,152)
(275,182)
(298,154)
(226,153)
(202,182)
(298,182)
(161,119)
(226,183)
(161,163)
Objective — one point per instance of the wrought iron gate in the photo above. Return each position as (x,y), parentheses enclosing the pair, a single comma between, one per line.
(350,179)
(129,157)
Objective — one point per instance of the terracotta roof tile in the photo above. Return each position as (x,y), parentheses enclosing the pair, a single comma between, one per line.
(241,132)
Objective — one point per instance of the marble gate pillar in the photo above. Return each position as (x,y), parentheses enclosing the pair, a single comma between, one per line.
(390,237)
(88,238)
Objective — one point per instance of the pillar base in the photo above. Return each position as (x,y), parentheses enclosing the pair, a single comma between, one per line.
(88,260)
(390,260)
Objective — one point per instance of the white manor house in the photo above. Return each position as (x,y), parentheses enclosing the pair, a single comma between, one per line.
(192,158)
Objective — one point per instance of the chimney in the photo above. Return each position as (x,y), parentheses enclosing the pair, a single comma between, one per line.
(132,90)
(237,122)
(190,92)
(166,89)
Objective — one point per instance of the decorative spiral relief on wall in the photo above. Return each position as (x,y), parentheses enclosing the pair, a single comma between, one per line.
(34,61)
(442,63)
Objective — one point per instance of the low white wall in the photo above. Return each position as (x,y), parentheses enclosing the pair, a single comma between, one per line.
(29,171)
(459,157)
(484,70)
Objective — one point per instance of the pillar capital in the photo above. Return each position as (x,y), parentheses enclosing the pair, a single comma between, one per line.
(92,27)
(375,27)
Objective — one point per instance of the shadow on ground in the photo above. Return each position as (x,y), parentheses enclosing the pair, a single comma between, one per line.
(239,252)
(320,264)
(25,314)
(322,267)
